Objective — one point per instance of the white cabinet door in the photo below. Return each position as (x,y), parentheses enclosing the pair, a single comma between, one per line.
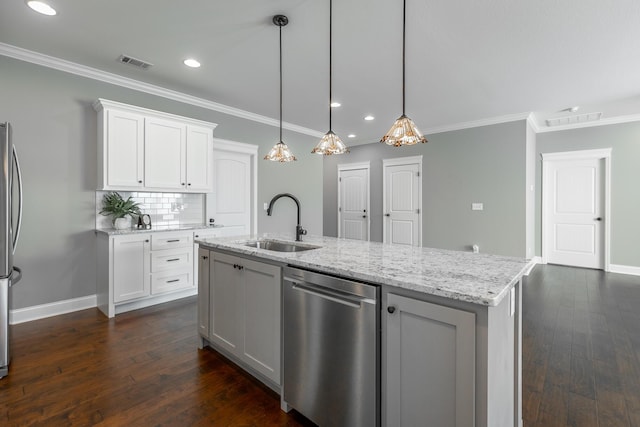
(131,277)
(203,293)
(430,364)
(199,159)
(245,311)
(124,150)
(164,159)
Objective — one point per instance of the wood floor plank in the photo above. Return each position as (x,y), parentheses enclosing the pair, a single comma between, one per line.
(141,368)
(592,374)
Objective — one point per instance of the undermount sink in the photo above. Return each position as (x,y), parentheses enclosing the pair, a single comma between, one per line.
(279,246)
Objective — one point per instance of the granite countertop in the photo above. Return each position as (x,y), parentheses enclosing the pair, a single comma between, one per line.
(476,278)
(156,228)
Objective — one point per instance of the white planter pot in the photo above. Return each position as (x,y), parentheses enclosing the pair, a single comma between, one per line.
(122,223)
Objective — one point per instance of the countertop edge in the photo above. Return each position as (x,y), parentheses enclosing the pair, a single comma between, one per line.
(291,259)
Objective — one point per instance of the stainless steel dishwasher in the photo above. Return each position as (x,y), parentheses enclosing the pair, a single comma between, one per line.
(331,348)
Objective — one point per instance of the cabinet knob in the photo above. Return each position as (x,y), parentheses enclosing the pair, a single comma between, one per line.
(205,257)
(146,241)
(196,236)
(387,214)
(364,216)
(189,184)
(391,309)
(182,183)
(139,181)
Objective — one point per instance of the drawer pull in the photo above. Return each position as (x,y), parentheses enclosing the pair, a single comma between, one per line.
(173,259)
(173,280)
(173,241)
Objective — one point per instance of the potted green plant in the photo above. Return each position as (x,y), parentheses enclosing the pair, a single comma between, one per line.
(119,210)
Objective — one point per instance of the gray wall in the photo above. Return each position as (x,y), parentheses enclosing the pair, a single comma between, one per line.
(484,164)
(624,139)
(55,134)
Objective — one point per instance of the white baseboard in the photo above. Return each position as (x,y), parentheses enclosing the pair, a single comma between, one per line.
(36,312)
(624,269)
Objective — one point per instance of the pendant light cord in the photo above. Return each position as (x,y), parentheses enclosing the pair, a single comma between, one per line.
(280,27)
(404,26)
(330,61)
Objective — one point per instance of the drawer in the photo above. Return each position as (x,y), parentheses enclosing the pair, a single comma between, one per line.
(171,240)
(206,234)
(171,281)
(171,259)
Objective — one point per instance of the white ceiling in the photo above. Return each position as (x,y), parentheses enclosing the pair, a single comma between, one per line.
(467,60)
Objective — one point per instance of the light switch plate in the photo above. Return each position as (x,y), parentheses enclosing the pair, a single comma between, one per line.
(477,206)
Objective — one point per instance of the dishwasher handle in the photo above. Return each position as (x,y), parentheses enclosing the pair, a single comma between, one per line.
(339,297)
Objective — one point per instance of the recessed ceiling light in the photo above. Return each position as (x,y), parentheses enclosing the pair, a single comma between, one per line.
(351,135)
(335,104)
(41,7)
(191,63)
(369,118)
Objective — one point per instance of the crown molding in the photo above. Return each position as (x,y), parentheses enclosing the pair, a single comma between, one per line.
(106,77)
(478,123)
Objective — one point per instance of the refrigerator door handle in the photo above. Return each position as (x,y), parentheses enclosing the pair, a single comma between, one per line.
(19,222)
(16,279)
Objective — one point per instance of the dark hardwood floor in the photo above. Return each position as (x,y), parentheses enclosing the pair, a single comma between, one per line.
(581,348)
(581,364)
(142,368)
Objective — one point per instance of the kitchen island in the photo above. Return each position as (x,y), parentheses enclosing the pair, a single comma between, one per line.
(450,323)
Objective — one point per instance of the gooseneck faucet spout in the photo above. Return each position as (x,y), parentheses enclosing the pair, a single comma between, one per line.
(299,230)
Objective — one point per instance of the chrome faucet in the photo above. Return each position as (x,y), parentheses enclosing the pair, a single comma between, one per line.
(299,230)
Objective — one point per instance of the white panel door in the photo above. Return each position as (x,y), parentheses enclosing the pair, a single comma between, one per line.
(164,144)
(199,159)
(402,204)
(230,203)
(353,214)
(574,212)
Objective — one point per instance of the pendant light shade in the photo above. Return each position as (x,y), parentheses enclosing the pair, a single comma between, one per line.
(404,131)
(280,152)
(330,142)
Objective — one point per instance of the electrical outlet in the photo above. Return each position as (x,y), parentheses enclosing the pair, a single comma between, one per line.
(266,206)
(477,206)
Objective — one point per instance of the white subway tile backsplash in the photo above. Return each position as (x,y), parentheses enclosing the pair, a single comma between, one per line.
(163,208)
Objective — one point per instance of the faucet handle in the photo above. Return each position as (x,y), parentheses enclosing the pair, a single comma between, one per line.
(303,231)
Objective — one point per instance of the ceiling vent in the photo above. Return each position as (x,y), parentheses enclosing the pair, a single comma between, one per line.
(138,63)
(573,120)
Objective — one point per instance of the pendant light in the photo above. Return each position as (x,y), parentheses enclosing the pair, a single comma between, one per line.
(403,131)
(330,142)
(280,152)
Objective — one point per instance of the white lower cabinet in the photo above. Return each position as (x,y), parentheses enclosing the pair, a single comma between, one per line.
(243,310)
(139,270)
(130,267)
(430,364)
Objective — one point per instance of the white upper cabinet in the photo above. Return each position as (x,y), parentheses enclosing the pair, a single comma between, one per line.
(164,160)
(199,159)
(141,149)
(121,161)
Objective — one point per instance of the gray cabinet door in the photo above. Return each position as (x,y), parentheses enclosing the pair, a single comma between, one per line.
(203,292)
(430,372)
(224,277)
(260,308)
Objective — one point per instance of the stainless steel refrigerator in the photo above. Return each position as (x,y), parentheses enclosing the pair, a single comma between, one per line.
(10,221)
